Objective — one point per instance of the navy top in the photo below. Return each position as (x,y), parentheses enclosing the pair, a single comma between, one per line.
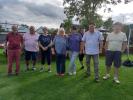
(45,40)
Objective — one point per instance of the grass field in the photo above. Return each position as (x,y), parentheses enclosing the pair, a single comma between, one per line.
(47,86)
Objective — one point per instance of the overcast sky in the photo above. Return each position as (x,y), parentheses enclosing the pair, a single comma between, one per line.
(50,12)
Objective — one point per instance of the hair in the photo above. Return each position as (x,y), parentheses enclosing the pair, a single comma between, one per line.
(118,23)
(91,23)
(61,29)
(74,28)
(45,28)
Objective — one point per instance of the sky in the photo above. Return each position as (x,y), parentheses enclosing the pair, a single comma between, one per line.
(50,13)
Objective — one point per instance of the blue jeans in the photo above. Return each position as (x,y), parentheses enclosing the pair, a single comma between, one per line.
(60,63)
(72,65)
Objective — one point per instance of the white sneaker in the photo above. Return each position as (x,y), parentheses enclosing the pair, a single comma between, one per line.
(70,74)
(34,68)
(107,76)
(41,69)
(116,80)
(74,73)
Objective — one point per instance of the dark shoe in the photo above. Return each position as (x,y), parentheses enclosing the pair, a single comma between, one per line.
(27,69)
(10,74)
(97,80)
(87,75)
(82,68)
(17,74)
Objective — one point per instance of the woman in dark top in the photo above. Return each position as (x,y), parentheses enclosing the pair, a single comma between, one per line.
(45,43)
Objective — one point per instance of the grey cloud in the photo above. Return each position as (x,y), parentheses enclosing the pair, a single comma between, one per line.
(23,12)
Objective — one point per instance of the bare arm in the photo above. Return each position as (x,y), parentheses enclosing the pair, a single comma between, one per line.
(124,46)
(82,45)
(40,45)
(101,46)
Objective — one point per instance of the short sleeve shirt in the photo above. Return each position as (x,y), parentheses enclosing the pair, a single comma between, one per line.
(92,41)
(31,42)
(74,41)
(45,40)
(115,41)
(14,41)
(60,44)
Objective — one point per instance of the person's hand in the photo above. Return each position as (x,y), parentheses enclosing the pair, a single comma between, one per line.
(101,51)
(80,52)
(45,48)
(53,52)
(122,51)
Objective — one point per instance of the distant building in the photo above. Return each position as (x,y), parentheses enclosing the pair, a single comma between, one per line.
(40,30)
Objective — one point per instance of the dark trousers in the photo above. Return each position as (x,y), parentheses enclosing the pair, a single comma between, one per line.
(60,63)
(46,55)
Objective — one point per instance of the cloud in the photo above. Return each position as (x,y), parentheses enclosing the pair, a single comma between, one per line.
(124,18)
(28,12)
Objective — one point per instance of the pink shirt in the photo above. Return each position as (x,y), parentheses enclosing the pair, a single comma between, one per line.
(31,42)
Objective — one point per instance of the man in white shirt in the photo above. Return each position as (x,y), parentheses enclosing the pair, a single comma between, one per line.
(91,40)
(116,43)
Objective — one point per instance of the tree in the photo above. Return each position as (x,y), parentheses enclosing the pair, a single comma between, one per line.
(87,8)
(98,21)
(108,24)
(67,24)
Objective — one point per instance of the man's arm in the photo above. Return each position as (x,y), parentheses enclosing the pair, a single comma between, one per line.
(101,46)
(82,45)
(124,46)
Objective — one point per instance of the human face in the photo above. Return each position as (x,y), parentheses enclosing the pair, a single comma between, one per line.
(62,33)
(45,30)
(117,28)
(91,28)
(14,29)
(32,30)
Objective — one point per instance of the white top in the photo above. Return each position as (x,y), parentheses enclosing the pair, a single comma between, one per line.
(92,41)
(31,42)
(115,41)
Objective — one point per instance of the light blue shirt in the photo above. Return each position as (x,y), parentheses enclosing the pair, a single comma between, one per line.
(92,41)
(60,44)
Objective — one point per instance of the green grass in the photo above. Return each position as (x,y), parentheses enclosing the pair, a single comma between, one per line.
(47,86)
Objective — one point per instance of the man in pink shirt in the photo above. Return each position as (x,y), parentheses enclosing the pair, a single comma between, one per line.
(31,47)
(13,44)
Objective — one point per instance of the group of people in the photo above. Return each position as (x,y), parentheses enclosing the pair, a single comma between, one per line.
(78,44)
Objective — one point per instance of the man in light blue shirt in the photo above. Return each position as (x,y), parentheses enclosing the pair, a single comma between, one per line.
(93,42)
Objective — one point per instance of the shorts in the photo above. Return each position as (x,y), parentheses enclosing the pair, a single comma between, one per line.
(113,57)
(30,55)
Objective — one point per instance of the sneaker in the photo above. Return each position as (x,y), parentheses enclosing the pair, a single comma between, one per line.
(97,80)
(34,68)
(10,74)
(70,74)
(49,70)
(106,77)
(74,73)
(27,69)
(41,69)
(62,74)
(116,80)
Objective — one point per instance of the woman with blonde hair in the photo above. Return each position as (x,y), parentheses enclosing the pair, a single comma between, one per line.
(60,48)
